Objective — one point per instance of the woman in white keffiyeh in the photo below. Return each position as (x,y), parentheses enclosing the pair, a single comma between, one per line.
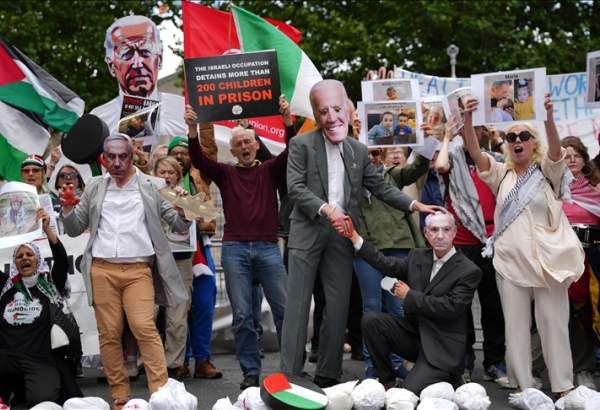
(536,253)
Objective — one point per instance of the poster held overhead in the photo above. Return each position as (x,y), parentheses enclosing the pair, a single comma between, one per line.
(509,96)
(390,90)
(139,118)
(18,214)
(385,124)
(593,79)
(454,107)
(234,86)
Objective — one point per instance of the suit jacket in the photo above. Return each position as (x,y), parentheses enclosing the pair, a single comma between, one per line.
(307,181)
(438,310)
(168,283)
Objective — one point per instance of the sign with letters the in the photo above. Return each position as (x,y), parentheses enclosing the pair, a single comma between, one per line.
(233,86)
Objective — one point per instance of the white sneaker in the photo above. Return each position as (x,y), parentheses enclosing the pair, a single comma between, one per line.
(586,379)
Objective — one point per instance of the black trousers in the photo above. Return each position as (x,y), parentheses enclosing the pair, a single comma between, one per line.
(492,318)
(384,334)
(41,380)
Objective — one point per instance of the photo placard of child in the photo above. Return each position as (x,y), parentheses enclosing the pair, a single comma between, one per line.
(387,124)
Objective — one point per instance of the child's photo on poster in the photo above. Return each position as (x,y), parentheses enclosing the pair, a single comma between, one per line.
(391,124)
(390,90)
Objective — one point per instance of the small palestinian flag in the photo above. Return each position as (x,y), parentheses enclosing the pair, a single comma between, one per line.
(31,102)
(281,393)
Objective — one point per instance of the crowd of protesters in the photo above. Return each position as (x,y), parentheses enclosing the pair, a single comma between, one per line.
(496,214)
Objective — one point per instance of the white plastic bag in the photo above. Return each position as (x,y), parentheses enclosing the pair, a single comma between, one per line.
(173,396)
(576,399)
(472,396)
(531,399)
(339,397)
(223,404)
(593,403)
(86,403)
(368,395)
(400,399)
(45,405)
(432,403)
(441,390)
(137,404)
(250,399)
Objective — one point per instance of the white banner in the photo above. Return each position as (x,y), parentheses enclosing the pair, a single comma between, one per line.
(78,300)
(568,92)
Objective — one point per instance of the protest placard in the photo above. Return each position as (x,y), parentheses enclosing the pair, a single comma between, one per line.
(384,124)
(593,79)
(139,118)
(390,90)
(233,86)
(454,106)
(509,96)
(18,214)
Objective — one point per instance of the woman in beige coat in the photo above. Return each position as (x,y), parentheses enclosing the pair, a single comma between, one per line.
(536,253)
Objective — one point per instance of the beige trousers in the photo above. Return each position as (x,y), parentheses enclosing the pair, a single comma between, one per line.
(119,290)
(177,320)
(552,320)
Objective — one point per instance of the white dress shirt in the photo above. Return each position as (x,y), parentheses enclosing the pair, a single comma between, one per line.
(122,235)
(335,175)
(439,262)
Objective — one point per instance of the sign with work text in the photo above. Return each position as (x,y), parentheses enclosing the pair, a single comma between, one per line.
(233,86)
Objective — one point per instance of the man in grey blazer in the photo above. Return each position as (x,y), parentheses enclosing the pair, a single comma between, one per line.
(127,262)
(326,175)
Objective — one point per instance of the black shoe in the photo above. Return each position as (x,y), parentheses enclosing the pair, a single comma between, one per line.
(313,357)
(250,380)
(324,382)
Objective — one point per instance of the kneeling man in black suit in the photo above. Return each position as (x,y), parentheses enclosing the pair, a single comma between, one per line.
(437,286)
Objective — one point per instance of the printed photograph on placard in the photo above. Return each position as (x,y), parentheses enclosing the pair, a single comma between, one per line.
(454,106)
(18,214)
(390,90)
(593,79)
(391,123)
(434,116)
(509,96)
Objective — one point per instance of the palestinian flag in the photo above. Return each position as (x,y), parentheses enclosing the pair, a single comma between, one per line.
(31,101)
(296,72)
(279,392)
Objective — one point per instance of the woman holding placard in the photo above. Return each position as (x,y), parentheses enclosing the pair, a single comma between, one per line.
(536,253)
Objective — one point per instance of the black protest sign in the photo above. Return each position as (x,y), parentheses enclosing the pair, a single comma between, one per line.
(233,86)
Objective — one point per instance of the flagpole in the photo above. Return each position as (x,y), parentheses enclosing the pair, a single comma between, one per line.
(229,26)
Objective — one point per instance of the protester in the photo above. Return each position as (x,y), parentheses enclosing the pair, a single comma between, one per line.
(326,174)
(437,286)
(393,233)
(127,253)
(33,172)
(67,175)
(536,253)
(583,208)
(376,158)
(473,204)
(250,250)
(28,298)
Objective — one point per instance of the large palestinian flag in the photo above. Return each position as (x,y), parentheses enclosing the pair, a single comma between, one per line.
(31,102)
(282,393)
(297,72)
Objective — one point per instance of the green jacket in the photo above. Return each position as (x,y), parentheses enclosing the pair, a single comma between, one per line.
(386,227)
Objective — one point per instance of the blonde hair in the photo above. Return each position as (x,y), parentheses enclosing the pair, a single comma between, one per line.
(539,150)
(172,162)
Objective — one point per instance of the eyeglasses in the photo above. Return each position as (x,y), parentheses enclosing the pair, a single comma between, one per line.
(68,175)
(524,136)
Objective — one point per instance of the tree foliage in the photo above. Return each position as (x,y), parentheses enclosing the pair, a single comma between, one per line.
(344,38)
(66,38)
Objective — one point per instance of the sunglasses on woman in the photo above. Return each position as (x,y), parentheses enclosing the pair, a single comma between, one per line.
(511,137)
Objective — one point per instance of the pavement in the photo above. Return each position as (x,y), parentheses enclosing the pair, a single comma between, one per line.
(209,391)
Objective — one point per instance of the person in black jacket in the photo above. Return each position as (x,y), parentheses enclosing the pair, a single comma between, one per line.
(437,286)
(30,298)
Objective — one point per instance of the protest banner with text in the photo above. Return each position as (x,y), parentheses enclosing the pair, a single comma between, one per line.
(233,86)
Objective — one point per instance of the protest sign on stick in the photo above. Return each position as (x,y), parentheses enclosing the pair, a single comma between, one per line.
(233,86)
(384,124)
